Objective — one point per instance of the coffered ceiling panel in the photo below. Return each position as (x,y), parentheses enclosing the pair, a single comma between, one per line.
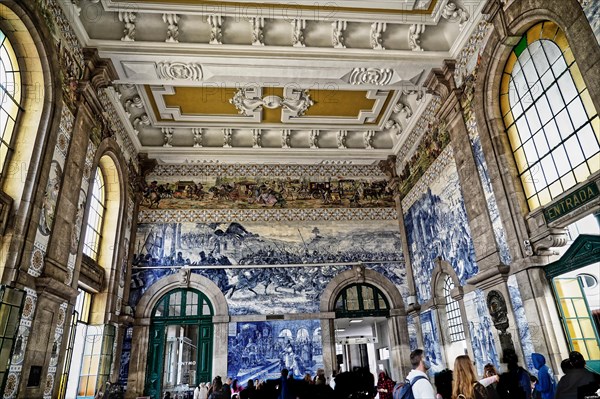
(238,80)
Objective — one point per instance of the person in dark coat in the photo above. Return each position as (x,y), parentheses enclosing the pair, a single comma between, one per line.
(579,381)
(515,383)
(249,392)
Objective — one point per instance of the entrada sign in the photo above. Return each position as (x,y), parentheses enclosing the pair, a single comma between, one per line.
(572,201)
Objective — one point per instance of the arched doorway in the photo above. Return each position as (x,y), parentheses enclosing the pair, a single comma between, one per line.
(361,331)
(180,347)
(384,302)
(574,279)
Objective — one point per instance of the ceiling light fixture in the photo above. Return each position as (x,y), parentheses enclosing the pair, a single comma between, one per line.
(340,329)
(356,320)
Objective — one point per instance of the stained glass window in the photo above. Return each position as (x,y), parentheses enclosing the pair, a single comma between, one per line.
(97,205)
(552,124)
(10,96)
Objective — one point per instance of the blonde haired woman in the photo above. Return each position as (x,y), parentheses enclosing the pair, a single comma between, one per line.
(465,384)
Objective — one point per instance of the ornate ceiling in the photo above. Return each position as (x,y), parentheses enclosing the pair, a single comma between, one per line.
(243,81)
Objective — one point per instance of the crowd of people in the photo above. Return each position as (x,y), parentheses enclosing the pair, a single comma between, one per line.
(460,383)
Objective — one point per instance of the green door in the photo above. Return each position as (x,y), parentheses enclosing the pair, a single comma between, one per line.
(578,323)
(180,344)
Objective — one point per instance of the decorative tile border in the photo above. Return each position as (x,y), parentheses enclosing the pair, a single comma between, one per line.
(52,193)
(467,59)
(16,361)
(266,215)
(206,169)
(434,172)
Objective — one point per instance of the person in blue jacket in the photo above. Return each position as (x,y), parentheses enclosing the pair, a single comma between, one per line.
(546,382)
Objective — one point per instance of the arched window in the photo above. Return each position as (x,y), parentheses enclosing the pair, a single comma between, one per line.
(10,96)
(96,215)
(361,300)
(455,324)
(551,122)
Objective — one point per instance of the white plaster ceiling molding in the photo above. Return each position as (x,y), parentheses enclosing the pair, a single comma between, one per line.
(194,23)
(144,69)
(391,10)
(179,71)
(199,43)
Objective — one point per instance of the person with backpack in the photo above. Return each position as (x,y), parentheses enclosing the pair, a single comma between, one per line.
(464,382)
(417,385)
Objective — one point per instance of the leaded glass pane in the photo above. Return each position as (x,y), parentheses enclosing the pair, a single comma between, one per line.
(558,155)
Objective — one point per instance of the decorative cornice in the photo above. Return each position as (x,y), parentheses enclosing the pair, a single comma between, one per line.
(265,215)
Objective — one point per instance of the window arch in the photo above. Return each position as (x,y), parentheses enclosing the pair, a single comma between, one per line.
(97,208)
(455,323)
(182,303)
(551,122)
(10,96)
(361,300)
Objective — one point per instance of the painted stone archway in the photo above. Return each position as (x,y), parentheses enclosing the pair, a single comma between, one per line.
(397,324)
(143,318)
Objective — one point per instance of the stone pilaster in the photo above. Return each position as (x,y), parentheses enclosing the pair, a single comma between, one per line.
(451,115)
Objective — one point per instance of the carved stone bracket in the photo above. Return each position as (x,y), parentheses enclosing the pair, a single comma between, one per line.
(197,132)
(337,38)
(341,138)
(258,25)
(377,29)
(298,26)
(414,36)
(286,138)
(168,136)
(256,138)
(172,21)
(128,18)
(227,138)
(216,35)
(313,139)
(454,13)
(368,137)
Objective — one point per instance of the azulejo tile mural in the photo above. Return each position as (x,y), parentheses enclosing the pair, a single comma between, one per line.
(484,176)
(261,349)
(227,254)
(480,327)
(523,326)
(592,12)
(436,226)
(431,341)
